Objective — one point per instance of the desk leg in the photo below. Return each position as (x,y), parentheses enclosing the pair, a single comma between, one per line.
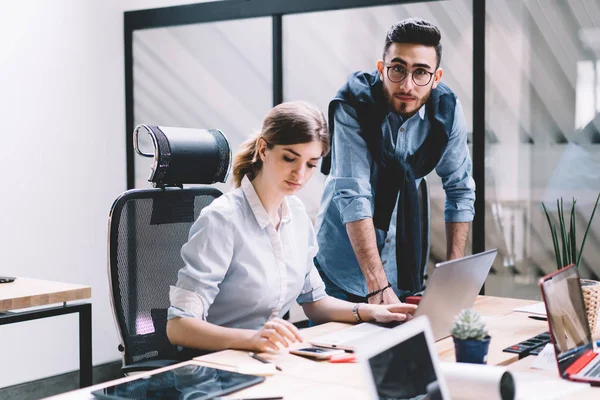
(85,345)
(85,331)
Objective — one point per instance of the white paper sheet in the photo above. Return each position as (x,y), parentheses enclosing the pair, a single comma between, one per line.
(546,360)
(537,309)
(537,387)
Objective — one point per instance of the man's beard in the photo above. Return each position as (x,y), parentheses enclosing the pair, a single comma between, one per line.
(402,108)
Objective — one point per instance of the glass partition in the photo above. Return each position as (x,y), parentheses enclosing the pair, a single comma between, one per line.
(542,113)
(542,101)
(214,75)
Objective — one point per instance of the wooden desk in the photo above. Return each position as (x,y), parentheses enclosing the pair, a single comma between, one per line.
(296,366)
(303,378)
(25,293)
(492,306)
(291,387)
(505,331)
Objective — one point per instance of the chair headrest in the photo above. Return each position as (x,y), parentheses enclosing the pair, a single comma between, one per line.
(184,155)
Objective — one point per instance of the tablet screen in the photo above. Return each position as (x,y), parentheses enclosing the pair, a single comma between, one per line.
(183,383)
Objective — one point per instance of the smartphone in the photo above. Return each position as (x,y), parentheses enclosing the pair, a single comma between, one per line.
(319,353)
(7,279)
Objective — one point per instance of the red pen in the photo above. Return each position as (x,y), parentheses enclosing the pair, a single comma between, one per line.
(342,358)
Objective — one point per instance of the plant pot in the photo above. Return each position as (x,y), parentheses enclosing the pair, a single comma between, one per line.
(471,351)
(591,298)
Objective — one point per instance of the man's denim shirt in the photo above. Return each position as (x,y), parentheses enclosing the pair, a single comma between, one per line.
(350,189)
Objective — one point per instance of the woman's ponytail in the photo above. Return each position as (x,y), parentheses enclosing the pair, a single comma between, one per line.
(246,161)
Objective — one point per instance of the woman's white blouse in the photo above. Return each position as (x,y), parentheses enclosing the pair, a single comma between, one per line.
(239,271)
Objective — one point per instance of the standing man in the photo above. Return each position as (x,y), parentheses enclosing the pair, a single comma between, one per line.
(390,128)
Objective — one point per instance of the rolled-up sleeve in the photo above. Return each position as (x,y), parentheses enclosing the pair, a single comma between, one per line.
(314,287)
(351,167)
(207,256)
(455,168)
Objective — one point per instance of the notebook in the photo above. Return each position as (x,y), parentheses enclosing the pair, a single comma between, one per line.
(402,363)
(570,333)
(453,286)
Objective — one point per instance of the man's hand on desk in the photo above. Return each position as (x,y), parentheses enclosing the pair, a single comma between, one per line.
(387,312)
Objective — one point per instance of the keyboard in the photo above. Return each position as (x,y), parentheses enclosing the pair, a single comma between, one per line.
(530,347)
(595,371)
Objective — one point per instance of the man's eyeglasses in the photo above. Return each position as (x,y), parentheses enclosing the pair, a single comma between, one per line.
(397,73)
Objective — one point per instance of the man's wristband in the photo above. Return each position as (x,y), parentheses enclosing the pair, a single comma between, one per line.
(376,292)
(356,314)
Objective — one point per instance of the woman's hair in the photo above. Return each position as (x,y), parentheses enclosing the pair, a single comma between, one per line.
(293,122)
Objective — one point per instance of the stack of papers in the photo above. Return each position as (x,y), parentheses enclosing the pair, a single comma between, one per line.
(537,309)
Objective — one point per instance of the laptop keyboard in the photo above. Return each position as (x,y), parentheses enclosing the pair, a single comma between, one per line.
(595,371)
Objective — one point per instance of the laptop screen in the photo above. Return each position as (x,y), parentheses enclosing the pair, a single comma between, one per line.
(405,371)
(566,316)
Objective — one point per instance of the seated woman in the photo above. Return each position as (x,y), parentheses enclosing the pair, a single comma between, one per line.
(250,253)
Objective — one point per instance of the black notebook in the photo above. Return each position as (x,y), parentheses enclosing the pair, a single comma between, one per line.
(183,383)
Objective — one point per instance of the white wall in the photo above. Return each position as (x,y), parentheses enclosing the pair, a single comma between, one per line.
(62,122)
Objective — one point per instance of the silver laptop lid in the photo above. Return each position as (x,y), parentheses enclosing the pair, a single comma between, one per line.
(402,363)
(453,286)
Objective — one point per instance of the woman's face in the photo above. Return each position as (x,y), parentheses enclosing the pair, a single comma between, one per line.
(288,167)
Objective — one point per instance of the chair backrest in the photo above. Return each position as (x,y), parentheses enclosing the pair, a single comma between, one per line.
(424,209)
(147,228)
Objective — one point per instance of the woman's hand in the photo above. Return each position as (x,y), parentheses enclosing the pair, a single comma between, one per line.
(275,333)
(387,312)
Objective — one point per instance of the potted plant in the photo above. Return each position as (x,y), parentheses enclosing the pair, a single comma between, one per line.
(471,338)
(566,253)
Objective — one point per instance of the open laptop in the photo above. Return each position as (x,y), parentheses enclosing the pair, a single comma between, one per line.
(453,286)
(402,363)
(569,328)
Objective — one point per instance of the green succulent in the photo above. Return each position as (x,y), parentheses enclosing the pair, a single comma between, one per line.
(469,325)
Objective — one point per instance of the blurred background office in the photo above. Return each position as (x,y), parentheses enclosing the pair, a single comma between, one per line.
(542,137)
(62,80)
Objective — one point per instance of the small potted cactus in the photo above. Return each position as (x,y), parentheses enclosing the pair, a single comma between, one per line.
(471,338)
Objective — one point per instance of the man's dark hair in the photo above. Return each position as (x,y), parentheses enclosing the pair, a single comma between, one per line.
(415,30)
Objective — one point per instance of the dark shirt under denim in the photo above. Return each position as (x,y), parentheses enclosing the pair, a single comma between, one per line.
(350,190)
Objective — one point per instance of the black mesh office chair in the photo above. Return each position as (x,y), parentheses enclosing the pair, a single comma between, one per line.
(147,228)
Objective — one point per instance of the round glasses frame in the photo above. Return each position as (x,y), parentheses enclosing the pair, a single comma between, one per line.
(407,73)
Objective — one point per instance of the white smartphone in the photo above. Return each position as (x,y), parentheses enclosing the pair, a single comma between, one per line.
(319,353)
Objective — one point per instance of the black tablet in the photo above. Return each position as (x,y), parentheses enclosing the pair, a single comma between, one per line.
(183,383)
